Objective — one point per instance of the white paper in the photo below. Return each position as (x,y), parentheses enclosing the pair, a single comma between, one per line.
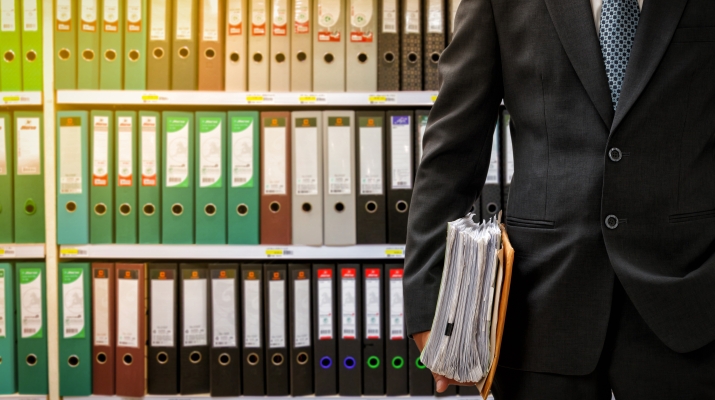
(277,314)
(3,319)
(224,312)
(371,160)
(306,161)
(195,312)
(100,301)
(177,167)
(372,308)
(328,12)
(348,302)
(149,162)
(125,151)
(183,20)
(339,158)
(7,16)
(31,304)
(325,309)
(73,307)
(128,312)
(28,146)
(493,171)
(389,16)
(251,313)
(509,170)
(100,147)
(435,24)
(412,16)
(162,315)
(210,20)
(397,309)
(157,13)
(210,158)
(30,11)
(401,153)
(70,160)
(274,153)
(420,139)
(3,150)
(242,157)
(302,317)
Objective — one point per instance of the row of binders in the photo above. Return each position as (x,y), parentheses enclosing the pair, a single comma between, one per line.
(242,177)
(251,45)
(20,45)
(22,181)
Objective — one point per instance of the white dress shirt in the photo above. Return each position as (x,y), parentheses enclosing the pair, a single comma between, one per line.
(597,5)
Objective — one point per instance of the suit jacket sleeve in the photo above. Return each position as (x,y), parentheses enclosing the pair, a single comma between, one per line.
(457,148)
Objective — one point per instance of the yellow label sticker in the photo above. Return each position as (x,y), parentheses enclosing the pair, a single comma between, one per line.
(254,99)
(434,98)
(307,99)
(11,99)
(274,252)
(394,252)
(69,252)
(377,99)
(150,97)
(2,252)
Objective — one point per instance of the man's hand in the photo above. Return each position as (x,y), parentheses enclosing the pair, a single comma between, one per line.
(440,382)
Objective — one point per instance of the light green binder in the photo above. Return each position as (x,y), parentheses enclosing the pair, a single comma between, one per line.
(10,49)
(7,234)
(65,44)
(210,177)
(33,56)
(72,177)
(90,21)
(135,37)
(177,207)
(29,181)
(75,315)
(126,177)
(243,178)
(8,352)
(111,44)
(150,183)
(31,324)
(101,184)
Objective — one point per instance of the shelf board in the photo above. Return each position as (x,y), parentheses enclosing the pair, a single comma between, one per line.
(20,98)
(204,98)
(230,252)
(23,397)
(12,251)
(206,396)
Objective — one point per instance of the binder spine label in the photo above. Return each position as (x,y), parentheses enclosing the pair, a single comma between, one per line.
(195,308)
(100,300)
(210,153)
(224,307)
(371,169)
(276,323)
(279,22)
(7,17)
(3,150)
(183,19)
(73,303)
(274,156)
(242,149)
(301,17)
(258,18)
(70,156)
(347,282)
(412,16)
(210,24)
(328,16)
(493,172)
(3,316)
(302,317)
(372,303)
(134,16)
(128,308)
(125,150)
(306,153)
(162,304)
(360,16)
(235,18)
(339,145)
(177,165)
(64,16)
(111,16)
(100,152)
(397,307)
(158,21)
(389,16)
(30,15)
(31,302)
(401,153)
(28,147)
(421,132)
(435,24)
(149,162)
(325,304)
(251,312)
(88,16)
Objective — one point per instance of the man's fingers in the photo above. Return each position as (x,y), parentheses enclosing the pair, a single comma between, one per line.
(441,383)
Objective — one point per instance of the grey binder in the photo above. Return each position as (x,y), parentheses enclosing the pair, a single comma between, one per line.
(411,45)
(307,158)
(339,177)
(388,46)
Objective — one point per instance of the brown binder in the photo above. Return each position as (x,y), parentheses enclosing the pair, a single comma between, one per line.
(130,334)
(275,178)
(103,285)
(211,47)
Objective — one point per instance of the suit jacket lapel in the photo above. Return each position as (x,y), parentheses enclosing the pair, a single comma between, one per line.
(658,21)
(574,24)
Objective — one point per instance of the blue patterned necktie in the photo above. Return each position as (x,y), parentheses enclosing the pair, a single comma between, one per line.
(619,21)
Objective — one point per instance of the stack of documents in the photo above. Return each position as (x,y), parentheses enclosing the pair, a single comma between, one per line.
(471,307)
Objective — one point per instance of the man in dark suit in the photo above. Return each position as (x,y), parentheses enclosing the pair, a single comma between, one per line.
(612,203)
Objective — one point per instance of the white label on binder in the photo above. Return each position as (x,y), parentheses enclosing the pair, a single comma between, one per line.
(70,159)
(389,16)
(8,15)
(339,157)
(73,303)
(435,24)
(195,312)
(128,312)
(162,316)
(100,152)
(184,14)
(100,301)
(242,149)
(349,316)
(301,299)
(125,150)
(235,17)
(28,146)
(224,312)
(210,152)
(31,303)
(3,320)
(30,11)
(3,149)
(111,12)
(397,307)
(412,16)
(277,313)
(251,314)
(88,15)
(158,22)
(493,172)
(258,17)
(274,154)
(279,20)
(134,15)
(301,16)
(64,13)
(328,12)
(177,148)
(370,160)
(306,161)
(509,155)
(149,164)
(360,13)
(401,152)
(372,303)
(325,304)
(210,20)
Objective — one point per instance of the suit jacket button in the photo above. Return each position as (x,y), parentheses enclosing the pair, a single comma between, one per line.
(615,154)
(612,222)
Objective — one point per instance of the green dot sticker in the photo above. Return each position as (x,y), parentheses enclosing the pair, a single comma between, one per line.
(373,362)
(398,362)
(419,364)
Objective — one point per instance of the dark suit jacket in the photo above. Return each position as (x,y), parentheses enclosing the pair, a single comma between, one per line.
(543,58)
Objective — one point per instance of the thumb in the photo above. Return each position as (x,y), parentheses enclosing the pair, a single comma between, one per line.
(440,383)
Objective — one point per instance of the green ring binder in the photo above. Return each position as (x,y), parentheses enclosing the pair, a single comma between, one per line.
(373,362)
(30,207)
(398,362)
(419,364)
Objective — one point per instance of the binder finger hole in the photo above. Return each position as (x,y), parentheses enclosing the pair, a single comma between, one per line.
(328,58)
(73,361)
(101,358)
(158,53)
(398,362)
(210,53)
(492,208)
(30,208)
(134,55)
(371,207)
(277,359)
(373,362)
(419,364)
(234,57)
(434,57)
(31,360)
(71,206)
(100,209)
(389,57)
(184,52)
(306,207)
(257,57)
(326,362)
(127,359)
(349,363)
(224,359)
(401,206)
(252,359)
(412,58)
(88,55)
(302,358)
(0,360)
(210,210)
(162,358)
(301,56)
(64,54)
(362,57)
(280,57)
(177,209)
(9,56)
(339,207)
(125,209)
(31,56)
(274,206)
(242,210)
(195,357)
(110,55)
(149,209)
